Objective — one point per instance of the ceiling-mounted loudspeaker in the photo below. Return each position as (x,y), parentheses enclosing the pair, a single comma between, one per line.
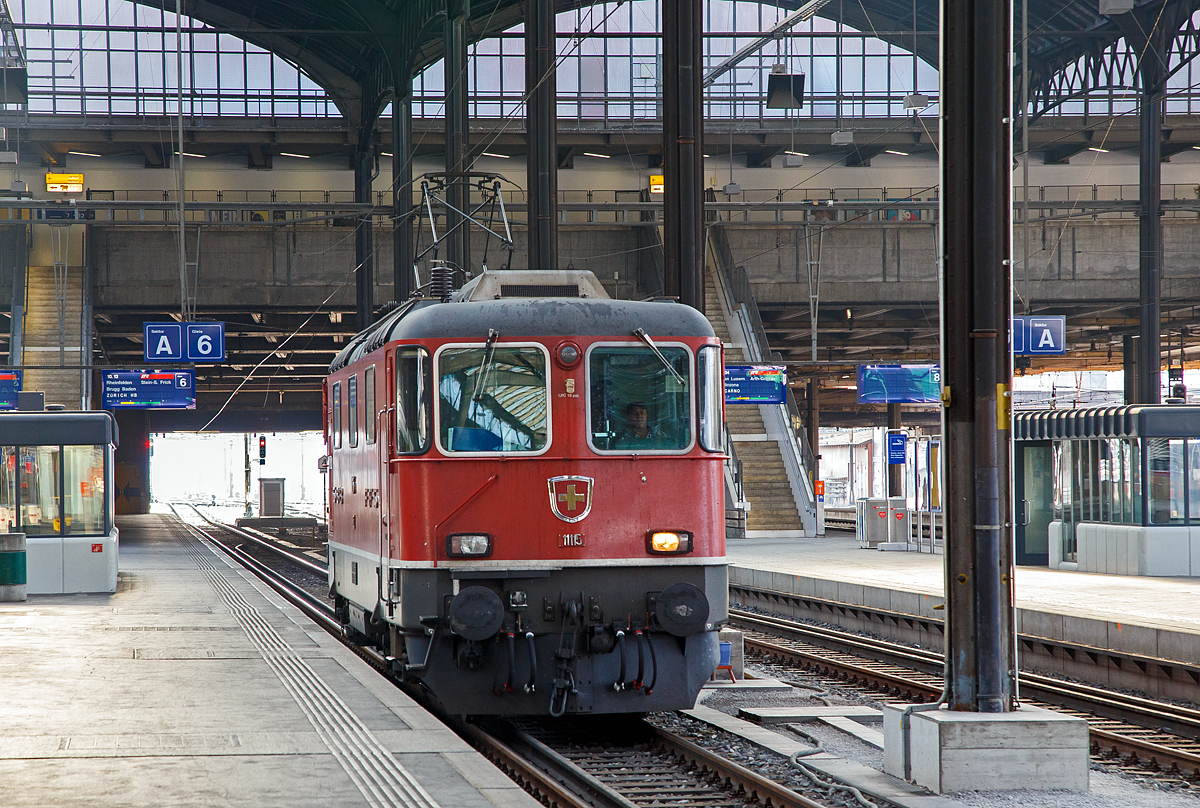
(784,90)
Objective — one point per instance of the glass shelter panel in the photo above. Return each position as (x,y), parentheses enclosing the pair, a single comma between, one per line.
(639,401)
(1164,461)
(38,489)
(83,487)
(8,489)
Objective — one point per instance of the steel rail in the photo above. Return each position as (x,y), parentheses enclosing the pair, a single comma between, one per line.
(767,792)
(1152,720)
(299,560)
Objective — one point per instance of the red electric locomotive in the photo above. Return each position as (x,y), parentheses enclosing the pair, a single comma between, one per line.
(526,496)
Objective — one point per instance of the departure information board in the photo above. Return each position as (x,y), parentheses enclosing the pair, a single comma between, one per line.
(150,389)
(10,385)
(899,384)
(755,384)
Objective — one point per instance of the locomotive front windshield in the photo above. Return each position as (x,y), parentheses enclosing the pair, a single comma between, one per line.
(636,402)
(493,399)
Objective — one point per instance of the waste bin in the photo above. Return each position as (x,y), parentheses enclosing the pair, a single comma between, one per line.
(12,568)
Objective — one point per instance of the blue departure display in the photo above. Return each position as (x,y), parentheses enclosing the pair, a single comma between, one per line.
(150,389)
(899,384)
(755,384)
(10,385)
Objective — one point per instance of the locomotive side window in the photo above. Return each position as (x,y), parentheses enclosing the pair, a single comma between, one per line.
(352,396)
(413,383)
(370,415)
(493,399)
(636,403)
(337,415)
(711,396)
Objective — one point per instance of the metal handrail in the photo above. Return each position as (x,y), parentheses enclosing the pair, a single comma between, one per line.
(734,464)
(736,284)
(743,294)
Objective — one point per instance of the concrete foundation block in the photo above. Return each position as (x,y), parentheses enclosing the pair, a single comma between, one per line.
(946,751)
(737,650)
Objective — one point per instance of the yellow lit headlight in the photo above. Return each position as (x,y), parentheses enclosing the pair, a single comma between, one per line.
(669,542)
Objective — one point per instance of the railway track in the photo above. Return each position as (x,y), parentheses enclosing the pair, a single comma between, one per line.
(1155,735)
(630,764)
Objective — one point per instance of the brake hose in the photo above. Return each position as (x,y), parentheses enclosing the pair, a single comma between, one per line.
(531,685)
(637,683)
(512,663)
(653,661)
(620,683)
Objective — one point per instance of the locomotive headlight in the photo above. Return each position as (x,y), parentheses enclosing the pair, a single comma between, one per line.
(669,542)
(469,545)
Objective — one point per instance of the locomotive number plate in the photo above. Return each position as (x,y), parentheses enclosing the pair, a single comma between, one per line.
(570,539)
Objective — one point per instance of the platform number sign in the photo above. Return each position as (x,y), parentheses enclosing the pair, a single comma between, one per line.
(183,342)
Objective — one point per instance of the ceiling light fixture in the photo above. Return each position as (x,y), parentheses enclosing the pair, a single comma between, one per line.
(893,151)
(493,154)
(385,154)
(601,156)
(293,154)
(189,154)
(1097,149)
(85,154)
(797,153)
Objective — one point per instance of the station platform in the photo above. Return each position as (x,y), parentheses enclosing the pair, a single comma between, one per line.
(194,684)
(1143,616)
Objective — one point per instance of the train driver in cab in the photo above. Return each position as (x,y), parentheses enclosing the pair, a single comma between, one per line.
(638,431)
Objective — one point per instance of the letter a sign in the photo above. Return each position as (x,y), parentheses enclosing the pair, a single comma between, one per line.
(162,342)
(183,342)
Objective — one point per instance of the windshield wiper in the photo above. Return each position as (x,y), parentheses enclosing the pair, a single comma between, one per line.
(485,367)
(641,334)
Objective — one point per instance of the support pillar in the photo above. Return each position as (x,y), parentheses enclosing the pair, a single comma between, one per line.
(895,472)
(812,421)
(402,192)
(981,741)
(976,366)
(1129,364)
(131,463)
(364,239)
(541,127)
(1150,232)
(683,203)
(458,193)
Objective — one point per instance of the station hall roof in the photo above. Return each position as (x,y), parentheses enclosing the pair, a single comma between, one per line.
(353,48)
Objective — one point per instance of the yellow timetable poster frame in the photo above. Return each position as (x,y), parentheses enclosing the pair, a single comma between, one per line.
(64,183)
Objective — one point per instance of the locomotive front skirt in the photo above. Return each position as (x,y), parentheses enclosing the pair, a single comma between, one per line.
(527,502)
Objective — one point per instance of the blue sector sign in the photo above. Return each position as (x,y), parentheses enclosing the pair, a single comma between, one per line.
(150,389)
(10,385)
(1039,336)
(755,384)
(899,384)
(897,449)
(183,342)
(162,342)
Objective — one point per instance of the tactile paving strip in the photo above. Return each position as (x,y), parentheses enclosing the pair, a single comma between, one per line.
(377,774)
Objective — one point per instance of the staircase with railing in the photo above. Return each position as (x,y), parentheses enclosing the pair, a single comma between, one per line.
(772,458)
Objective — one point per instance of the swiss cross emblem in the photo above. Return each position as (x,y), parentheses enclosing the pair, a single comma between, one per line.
(570,497)
(97,548)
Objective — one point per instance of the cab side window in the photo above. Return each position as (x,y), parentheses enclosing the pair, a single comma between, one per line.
(414,383)
(336,408)
(370,415)
(352,395)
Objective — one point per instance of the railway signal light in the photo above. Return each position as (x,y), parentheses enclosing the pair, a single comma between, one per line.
(262,450)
